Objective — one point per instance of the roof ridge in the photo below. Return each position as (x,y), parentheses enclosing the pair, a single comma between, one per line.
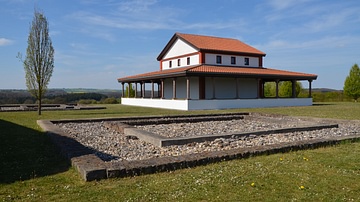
(218,37)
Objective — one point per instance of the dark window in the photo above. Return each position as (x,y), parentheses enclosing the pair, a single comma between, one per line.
(233,60)
(218,59)
(179,64)
(170,64)
(188,61)
(246,61)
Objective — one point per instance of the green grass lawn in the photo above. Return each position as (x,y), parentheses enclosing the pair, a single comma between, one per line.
(32,170)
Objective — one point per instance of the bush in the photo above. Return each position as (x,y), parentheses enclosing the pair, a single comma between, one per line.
(111,100)
(88,101)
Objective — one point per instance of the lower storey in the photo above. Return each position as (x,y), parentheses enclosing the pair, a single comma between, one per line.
(186,104)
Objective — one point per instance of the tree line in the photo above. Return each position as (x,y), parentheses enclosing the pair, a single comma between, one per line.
(23,97)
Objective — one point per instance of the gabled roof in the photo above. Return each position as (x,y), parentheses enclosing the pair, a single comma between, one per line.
(226,71)
(211,44)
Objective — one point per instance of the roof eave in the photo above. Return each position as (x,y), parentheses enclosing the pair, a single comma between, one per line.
(262,76)
(152,77)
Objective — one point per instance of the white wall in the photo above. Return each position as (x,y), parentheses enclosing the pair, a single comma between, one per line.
(179,48)
(225,88)
(226,60)
(181,91)
(194,60)
(216,104)
(247,103)
(248,88)
(156,103)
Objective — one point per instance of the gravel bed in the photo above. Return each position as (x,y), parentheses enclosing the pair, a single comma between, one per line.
(111,145)
(212,127)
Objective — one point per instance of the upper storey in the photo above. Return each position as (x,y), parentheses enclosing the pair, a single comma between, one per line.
(187,49)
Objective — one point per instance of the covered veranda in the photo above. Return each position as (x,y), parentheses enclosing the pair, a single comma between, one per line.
(211,87)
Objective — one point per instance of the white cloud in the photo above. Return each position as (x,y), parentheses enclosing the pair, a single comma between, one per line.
(326,43)
(136,6)
(285,4)
(5,42)
(331,20)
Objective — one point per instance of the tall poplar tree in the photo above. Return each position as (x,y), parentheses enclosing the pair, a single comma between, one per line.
(352,83)
(39,59)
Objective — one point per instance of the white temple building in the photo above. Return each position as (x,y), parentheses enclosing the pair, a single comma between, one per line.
(205,72)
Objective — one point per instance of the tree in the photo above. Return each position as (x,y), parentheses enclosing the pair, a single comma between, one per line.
(132,91)
(352,83)
(270,89)
(285,89)
(39,60)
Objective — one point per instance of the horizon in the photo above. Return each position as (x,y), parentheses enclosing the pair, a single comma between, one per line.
(97,42)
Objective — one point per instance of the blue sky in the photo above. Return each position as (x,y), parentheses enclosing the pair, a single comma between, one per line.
(98,41)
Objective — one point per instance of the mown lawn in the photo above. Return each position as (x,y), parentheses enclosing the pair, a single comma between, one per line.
(32,170)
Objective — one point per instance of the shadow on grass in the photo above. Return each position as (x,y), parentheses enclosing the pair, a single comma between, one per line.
(26,154)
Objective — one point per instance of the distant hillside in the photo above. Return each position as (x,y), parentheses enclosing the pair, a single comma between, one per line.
(15,96)
(324,90)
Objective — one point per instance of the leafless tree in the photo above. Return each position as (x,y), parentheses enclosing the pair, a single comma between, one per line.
(39,60)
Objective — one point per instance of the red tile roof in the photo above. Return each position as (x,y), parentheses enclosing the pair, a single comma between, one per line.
(213,70)
(211,43)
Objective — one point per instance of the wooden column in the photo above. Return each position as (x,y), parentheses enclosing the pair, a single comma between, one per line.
(260,88)
(152,89)
(277,88)
(174,88)
(201,88)
(143,89)
(187,88)
(310,88)
(123,90)
(237,88)
(162,89)
(213,87)
(158,89)
(128,93)
(293,88)
(135,90)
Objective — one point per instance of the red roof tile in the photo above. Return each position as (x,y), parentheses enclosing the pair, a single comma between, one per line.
(211,43)
(212,70)
(219,44)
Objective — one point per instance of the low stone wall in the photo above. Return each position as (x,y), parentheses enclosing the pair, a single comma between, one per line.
(92,167)
(45,107)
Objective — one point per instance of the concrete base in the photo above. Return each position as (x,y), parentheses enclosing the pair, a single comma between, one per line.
(216,103)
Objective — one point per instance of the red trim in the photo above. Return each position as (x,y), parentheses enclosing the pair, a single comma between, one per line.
(161,65)
(260,61)
(201,58)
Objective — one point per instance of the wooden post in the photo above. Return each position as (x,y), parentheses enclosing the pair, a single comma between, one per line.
(174,88)
(277,88)
(187,88)
(237,88)
(123,89)
(310,88)
(152,89)
(260,88)
(293,88)
(213,87)
(128,93)
(162,89)
(143,89)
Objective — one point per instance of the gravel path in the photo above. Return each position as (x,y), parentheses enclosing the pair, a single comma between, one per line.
(110,145)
